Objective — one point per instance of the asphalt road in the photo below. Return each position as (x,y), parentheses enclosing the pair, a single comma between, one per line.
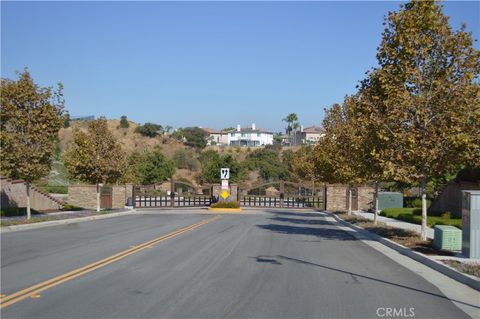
(278,264)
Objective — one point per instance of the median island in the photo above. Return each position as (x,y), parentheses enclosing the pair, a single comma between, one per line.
(233,206)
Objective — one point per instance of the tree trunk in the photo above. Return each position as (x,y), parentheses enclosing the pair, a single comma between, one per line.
(29,213)
(98,197)
(349,200)
(375,217)
(423,234)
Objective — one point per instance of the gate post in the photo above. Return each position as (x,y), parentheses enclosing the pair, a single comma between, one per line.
(172,192)
(282,192)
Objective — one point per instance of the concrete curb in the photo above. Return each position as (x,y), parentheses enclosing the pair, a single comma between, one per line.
(225,210)
(8,229)
(434,264)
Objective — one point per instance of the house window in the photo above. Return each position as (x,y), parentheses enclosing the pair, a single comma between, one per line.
(258,134)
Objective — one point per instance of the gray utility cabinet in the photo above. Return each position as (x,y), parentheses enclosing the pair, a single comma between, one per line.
(390,200)
(471,224)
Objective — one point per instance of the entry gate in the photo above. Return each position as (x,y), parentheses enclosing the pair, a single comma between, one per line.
(180,194)
(283,194)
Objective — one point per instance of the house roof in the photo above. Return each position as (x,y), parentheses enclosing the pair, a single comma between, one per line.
(313,129)
(213,131)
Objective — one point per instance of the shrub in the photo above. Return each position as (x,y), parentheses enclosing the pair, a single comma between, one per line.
(124,122)
(417,203)
(148,129)
(71,207)
(233,204)
(446,215)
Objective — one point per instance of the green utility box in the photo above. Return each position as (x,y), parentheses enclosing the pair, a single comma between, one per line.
(389,200)
(447,238)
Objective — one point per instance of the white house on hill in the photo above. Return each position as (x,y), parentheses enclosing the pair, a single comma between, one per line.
(250,136)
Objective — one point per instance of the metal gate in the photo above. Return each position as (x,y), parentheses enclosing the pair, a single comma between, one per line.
(283,194)
(180,194)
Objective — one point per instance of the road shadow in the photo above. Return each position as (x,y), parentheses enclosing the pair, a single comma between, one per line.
(284,213)
(266,259)
(323,233)
(304,262)
(301,221)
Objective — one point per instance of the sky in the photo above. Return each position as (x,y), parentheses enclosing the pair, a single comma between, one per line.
(209,64)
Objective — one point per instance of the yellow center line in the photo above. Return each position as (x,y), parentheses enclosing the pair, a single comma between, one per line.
(36,289)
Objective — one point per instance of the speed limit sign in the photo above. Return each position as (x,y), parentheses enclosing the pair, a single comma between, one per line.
(225,173)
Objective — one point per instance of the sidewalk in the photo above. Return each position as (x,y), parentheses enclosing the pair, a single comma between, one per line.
(395,223)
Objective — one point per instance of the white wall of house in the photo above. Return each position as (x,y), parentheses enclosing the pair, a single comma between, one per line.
(250,137)
(219,138)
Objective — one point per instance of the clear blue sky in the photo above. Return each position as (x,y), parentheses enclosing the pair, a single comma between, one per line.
(212,64)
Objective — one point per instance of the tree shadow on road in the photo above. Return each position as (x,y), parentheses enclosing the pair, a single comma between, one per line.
(302,221)
(284,213)
(323,233)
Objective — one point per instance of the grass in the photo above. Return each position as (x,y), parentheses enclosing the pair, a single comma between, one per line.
(69,207)
(471,268)
(16,211)
(413,215)
(404,237)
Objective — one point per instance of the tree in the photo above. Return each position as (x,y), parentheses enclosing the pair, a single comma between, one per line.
(95,156)
(423,99)
(148,129)
(66,119)
(195,137)
(269,164)
(292,121)
(124,122)
(228,129)
(131,172)
(212,162)
(155,167)
(185,159)
(30,118)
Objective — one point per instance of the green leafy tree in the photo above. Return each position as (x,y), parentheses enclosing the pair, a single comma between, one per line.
(95,156)
(195,137)
(131,172)
(124,122)
(155,167)
(423,98)
(269,164)
(30,118)
(212,162)
(148,129)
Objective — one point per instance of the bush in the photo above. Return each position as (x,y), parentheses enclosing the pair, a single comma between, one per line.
(233,204)
(417,203)
(148,129)
(124,122)
(71,207)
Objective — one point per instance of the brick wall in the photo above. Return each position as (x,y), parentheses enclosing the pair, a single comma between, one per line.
(119,198)
(365,197)
(336,198)
(83,196)
(14,194)
(217,189)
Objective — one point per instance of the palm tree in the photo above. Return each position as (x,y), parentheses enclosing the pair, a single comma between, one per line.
(292,120)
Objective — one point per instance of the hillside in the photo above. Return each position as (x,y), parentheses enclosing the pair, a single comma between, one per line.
(132,141)
(129,140)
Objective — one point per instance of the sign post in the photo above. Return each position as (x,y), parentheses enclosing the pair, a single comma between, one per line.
(225,176)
